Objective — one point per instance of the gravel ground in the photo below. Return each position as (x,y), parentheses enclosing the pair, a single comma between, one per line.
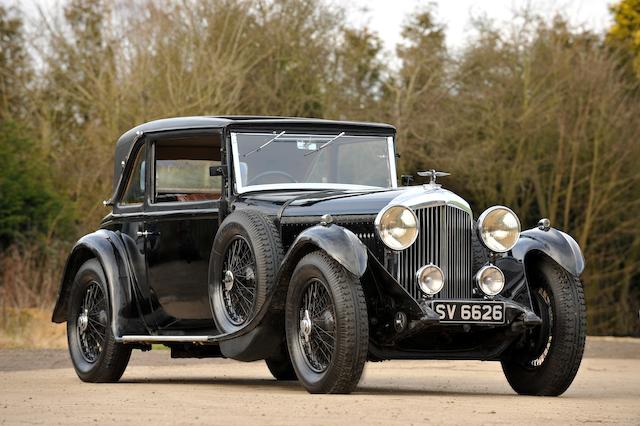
(39,386)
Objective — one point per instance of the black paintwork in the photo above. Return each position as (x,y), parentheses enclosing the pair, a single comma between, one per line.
(556,244)
(158,282)
(108,248)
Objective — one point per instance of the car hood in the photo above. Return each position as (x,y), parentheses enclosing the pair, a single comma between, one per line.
(351,202)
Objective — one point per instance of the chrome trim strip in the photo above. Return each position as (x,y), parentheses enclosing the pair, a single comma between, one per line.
(392,162)
(303,186)
(161,339)
(425,196)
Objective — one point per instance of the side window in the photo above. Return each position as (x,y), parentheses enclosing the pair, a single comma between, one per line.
(182,169)
(134,192)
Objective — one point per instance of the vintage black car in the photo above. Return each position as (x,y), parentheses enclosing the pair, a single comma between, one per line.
(289,240)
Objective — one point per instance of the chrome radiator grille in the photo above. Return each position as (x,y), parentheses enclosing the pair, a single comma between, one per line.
(444,240)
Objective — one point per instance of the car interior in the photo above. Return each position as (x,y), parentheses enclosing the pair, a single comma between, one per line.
(182,168)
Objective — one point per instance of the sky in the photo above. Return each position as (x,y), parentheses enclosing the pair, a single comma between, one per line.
(386,16)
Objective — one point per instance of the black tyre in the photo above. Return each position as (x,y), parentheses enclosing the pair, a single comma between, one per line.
(326,325)
(95,354)
(246,254)
(280,365)
(547,361)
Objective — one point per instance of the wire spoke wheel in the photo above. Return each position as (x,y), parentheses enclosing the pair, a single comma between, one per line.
(542,337)
(244,261)
(92,322)
(239,281)
(317,328)
(326,324)
(547,357)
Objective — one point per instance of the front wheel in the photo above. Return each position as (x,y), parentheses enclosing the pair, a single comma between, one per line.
(547,360)
(326,325)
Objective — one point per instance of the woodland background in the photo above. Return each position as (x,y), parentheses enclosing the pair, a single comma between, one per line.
(540,116)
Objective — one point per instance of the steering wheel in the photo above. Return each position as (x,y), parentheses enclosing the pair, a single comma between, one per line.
(271,172)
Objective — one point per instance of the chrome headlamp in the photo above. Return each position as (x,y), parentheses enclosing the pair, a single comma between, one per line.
(490,280)
(499,229)
(430,279)
(397,227)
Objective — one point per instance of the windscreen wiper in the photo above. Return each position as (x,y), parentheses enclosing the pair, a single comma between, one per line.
(264,145)
(325,144)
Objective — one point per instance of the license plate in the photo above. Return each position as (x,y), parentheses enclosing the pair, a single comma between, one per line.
(469,312)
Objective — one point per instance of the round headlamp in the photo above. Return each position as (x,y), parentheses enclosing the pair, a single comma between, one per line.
(490,280)
(499,229)
(430,279)
(397,227)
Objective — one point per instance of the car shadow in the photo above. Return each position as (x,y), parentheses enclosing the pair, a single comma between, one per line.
(294,386)
(238,382)
(390,390)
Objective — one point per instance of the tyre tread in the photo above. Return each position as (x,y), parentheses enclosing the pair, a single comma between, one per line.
(570,335)
(115,357)
(351,357)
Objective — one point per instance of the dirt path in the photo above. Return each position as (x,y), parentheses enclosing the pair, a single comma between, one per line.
(158,390)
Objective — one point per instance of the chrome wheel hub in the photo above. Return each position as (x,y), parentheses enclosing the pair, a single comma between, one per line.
(83,321)
(228,280)
(306,326)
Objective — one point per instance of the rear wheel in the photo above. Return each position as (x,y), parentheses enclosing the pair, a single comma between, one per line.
(95,354)
(280,365)
(548,359)
(326,325)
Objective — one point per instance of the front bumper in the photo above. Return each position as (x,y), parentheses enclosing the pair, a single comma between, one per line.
(517,318)
(430,338)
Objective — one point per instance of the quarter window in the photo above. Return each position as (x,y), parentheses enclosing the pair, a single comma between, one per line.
(134,193)
(182,169)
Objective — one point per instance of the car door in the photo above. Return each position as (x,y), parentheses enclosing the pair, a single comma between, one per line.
(181,221)
(128,219)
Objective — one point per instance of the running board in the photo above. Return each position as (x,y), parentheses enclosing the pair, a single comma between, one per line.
(165,339)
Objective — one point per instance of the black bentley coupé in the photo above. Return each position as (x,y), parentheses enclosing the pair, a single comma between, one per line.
(289,240)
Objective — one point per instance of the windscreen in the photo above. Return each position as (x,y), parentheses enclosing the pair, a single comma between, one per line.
(287,160)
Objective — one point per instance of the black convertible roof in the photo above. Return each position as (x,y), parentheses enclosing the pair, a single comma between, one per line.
(126,141)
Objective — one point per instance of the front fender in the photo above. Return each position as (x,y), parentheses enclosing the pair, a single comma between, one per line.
(108,249)
(338,242)
(255,341)
(559,246)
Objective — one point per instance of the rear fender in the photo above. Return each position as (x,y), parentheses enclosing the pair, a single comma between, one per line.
(108,249)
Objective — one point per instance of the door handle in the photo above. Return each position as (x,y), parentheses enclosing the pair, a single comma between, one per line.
(147,234)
